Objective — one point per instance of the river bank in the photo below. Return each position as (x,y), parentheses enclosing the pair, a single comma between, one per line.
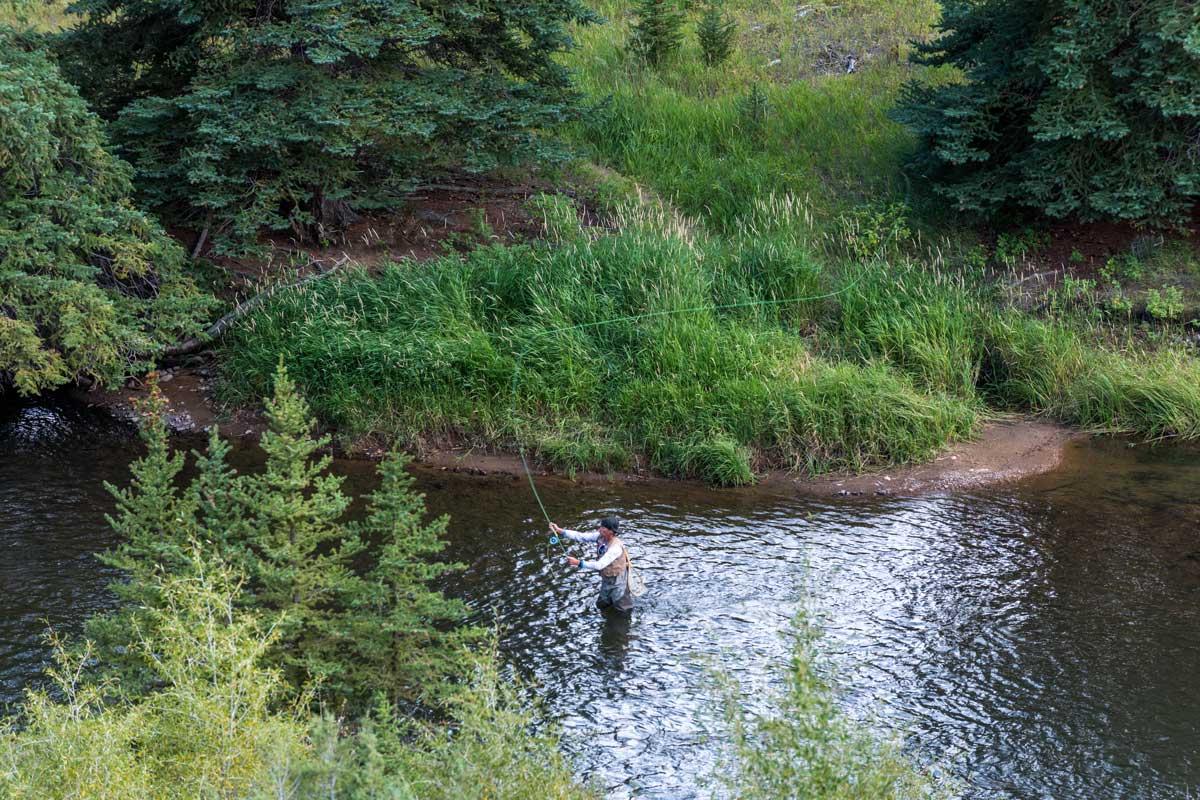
(997,628)
(1005,449)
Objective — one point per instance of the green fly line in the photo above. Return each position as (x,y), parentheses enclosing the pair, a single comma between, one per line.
(555,539)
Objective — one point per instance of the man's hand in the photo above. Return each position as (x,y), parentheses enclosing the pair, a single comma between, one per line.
(574,562)
(555,529)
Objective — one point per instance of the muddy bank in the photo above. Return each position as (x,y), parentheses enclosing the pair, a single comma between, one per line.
(1004,450)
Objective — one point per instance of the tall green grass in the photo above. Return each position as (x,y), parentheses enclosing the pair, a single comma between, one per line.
(682,128)
(598,352)
(948,333)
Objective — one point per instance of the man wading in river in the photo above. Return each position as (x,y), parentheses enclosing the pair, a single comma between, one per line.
(612,562)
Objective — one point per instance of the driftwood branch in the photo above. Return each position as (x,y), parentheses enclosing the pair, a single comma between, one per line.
(203,237)
(218,329)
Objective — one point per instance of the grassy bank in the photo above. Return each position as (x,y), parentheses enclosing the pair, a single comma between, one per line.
(506,345)
(781,116)
(574,347)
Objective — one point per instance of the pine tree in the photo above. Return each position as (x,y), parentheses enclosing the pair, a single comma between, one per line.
(389,633)
(715,33)
(295,115)
(350,604)
(658,30)
(90,288)
(1086,109)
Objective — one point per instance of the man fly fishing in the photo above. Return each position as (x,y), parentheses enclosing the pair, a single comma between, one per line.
(612,562)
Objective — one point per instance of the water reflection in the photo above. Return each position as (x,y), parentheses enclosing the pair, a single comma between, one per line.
(1042,638)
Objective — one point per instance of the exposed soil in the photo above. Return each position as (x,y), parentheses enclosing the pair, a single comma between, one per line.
(1005,450)
(461,213)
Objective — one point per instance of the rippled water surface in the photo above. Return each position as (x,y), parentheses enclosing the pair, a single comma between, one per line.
(1042,639)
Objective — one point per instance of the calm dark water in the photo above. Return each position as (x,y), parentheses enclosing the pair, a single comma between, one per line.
(1041,640)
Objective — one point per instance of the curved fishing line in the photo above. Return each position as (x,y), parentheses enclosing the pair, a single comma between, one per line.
(637,318)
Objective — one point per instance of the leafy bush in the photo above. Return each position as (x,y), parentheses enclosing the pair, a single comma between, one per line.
(213,727)
(216,722)
(295,116)
(89,287)
(1165,306)
(715,32)
(658,30)
(350,603)
(1067,108)
(809,748)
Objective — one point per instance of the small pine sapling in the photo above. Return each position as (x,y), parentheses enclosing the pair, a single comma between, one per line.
(657,33)
(715,32)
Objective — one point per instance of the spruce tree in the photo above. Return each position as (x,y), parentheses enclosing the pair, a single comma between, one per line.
(294,115)
(90,288)
(715,32)
(350,603)
(657,31)
(1085,109)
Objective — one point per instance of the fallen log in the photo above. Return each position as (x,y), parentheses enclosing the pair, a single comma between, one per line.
(218,329)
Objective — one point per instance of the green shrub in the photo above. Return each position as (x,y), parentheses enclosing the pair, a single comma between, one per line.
(658,30)
(90,288)
(715,33)
(217,724)
(753,111)
(1165,305)
(808,748)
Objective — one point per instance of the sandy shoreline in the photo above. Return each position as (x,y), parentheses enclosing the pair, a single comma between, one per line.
(1004,450)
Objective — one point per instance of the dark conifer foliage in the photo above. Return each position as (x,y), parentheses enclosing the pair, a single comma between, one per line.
(1086,109)
(295,114)
(90,287)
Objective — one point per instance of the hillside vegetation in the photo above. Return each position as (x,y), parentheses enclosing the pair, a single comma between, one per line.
(776,176)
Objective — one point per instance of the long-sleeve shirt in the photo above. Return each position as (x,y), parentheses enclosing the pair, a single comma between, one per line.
(610,554)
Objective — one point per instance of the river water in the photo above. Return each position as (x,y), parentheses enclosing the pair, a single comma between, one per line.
(1038,640)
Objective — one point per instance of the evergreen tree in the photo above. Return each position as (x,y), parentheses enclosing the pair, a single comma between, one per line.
(350,604)
(715,33)
(1087,109)
(657,31)
(89,286)
(295,115)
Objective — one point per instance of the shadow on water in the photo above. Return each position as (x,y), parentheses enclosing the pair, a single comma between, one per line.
(1043,639)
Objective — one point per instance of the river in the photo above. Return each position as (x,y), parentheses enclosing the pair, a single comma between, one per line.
(1039,640)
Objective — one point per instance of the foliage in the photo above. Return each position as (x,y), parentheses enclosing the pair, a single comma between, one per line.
(809,749)
(217,724)
(947,334)
(90,288)
(507,344)
(715,32)
(658,30)
(1165,306)
(753,111)
(1071,108)
(296,115)
(212,729)
(350,603)
(678,129)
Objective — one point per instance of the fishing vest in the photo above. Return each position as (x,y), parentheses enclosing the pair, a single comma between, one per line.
(619,565)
